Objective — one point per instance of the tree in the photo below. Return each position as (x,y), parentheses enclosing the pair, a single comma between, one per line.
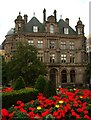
(5,71)
(19,84)
(25,63)
(40,83)
(50,89)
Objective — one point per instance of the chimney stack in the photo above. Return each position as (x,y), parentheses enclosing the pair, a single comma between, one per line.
(67,20)
(55,15)
(25,18)
(44,15)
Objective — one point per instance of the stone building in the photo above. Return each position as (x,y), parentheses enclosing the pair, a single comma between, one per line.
(61,48)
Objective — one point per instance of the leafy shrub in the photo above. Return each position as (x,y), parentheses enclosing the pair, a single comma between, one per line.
(50,89)
(25,95)
(40,83)
(19,84)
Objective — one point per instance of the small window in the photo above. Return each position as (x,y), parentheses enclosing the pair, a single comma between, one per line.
(63,45)
(72,46)
(40,44)
(52,58)
(35,28)
(51,29)
(66,31)
(40,56)
(63,58)
(72,58)
(30,42)
(52,44)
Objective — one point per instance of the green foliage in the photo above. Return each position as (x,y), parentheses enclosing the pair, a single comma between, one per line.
(25,95)
(5,72)
(40,83)
(50,89)
(20,116)
(19,84)
(26,64)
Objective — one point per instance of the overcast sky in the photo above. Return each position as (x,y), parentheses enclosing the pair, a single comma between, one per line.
(72,9)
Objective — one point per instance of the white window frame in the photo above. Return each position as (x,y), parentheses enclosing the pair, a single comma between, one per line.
(63,58)
(40,43)
(35,28)
(30,42)
(66,31)
(51,28)
(72,45)
(63,45)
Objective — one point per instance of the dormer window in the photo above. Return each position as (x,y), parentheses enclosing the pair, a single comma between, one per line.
(51,29)
(35,28)
(66,31)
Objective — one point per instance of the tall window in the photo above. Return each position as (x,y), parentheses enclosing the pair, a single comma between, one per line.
(71,45)
(66,31)
(52,44)
(63,58)
(52,58)
(31,42)
(64,76)
(35,28)
(72,76)
(63,45)
(79,31)
(51,29)
(72,59)
(40,56)
(40,44)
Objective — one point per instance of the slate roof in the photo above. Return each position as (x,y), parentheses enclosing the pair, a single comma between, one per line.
(33,22)
(62,24)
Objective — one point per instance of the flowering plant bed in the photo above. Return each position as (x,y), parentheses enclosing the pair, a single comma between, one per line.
(69,104)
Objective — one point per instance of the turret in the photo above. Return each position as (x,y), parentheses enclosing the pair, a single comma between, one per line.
(19,22)
(80,27)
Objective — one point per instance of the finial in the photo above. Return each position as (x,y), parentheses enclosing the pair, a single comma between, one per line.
(19,13)
(34,14)
(60,16)
(79,18)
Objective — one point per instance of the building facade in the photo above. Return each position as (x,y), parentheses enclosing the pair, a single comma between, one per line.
(61,48)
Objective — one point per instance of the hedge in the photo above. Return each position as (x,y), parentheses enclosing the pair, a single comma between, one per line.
(25,95)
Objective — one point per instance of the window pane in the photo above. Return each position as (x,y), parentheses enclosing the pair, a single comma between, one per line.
(35,28)
(51,29)
(40,44)
(66,31)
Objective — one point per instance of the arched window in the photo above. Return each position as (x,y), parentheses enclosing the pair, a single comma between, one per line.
(51,29)
(72,76)
(64,76)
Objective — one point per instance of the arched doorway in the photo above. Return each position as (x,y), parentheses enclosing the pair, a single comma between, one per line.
(72,76)
(64,76)
(53,76)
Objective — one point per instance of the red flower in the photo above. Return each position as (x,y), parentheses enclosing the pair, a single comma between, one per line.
(75,104)
(85,112)
(55,114)
(87,117)
(4,113)
(45,113)
(22,110)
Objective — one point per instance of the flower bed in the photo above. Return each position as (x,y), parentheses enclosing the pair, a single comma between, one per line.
(7,89)
(69,104)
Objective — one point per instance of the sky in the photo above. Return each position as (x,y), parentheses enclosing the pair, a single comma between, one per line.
(72,9)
